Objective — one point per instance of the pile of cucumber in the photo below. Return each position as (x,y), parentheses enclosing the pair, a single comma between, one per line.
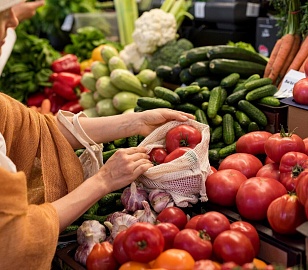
(208,64)
(230,108)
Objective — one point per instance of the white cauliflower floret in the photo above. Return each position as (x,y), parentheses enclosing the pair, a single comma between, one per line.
(153,29)
(132,57)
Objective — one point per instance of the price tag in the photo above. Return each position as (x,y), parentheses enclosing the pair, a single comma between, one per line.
(252,9)
(286,88)
(199,10)
(68,23)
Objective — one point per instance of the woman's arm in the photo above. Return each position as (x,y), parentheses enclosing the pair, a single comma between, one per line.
(109,128)
(132,161)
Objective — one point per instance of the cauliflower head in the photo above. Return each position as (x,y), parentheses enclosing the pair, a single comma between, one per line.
(154,29)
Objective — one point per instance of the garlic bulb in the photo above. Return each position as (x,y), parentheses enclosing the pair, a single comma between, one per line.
(160,199)
(133,196)
(121,223)
(89,233)
(146,214)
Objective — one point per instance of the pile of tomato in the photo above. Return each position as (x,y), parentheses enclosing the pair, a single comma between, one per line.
(174,242)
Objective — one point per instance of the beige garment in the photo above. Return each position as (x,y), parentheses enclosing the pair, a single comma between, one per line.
(28,233)
(38,148)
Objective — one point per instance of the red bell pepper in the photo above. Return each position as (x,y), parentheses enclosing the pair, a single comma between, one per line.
(66,63)
(64,91)
(56,102)
(72,106)
(35,99)
(70,79)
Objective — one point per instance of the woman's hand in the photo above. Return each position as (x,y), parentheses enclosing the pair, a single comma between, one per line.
(152,119)
(124,166)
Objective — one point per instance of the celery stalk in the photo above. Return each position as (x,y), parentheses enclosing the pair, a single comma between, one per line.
(167,5)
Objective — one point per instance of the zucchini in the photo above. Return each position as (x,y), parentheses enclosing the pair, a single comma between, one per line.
(125,80)
(214,155)
(199,69)
(224,66)
(260,92)
(227,150)
(214,102)
(116,62)
(164,72)
(254,113)
(237,53)
(201,116)
(228,129)
(241,85)
(167,94)
(235,97)
(207,82)
(238,130)
(153,103)
(230,80)
(124,100)
(216,134)
(242,118)
(187,107)
(271,101)
(184,91)
(197,54)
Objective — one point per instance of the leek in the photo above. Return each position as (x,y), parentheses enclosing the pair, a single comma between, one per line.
(127,14)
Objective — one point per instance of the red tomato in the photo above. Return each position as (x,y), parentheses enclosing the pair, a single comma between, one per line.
(180,151)
(231,245)
(206,265)
(191,224)
(245,163)
(270,170)
(157,155)
(300,91)
(143,242)
(252,142)
(196,243)
(222,186)
(268,160)
(169,231)
(213,169)
(255,195)
(302,187)
(305,140)
(101,257)
(306,209)
(213,223)
(182,135)
(229,266)
(118,249)
(280,143)
(173,215)
(250,231)
(290,167)
(285,214)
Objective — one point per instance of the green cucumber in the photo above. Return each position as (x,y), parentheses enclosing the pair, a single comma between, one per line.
(197,54)
(205,92)
(214,155)
(254,113)
(153,103)
(216,134)
(214,102)
(260,92)
(108,154)
(219,144)
(228,129)
(204,105)
(167,94)
(217,120)
(225,108)
(270,101)
(186,107)
(201,116)
(186,77)
(184,91)
(242,118)
(251,85)
(132,141)
(241,85)
(207,82)
(225,66)
(163,72)
(230,80)
(253,126)
(238,130)
(235,97)
(227,150)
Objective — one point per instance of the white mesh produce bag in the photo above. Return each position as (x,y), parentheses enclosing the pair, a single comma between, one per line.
(184,178)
